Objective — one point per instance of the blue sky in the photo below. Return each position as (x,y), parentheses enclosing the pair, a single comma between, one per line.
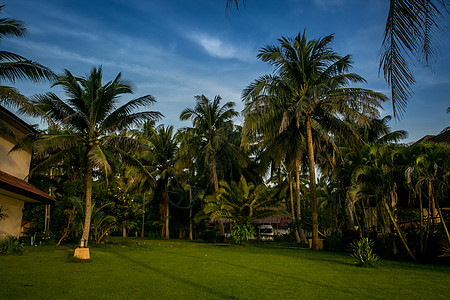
(177,49)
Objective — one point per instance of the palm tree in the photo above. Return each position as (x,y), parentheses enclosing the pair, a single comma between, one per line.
(16,67)
(212,125)
(310,81)
(427,176)
(93,119)
(261,127)
(376,178)
(411,32)
(161,158)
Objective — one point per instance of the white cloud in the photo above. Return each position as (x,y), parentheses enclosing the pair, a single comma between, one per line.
(221,49)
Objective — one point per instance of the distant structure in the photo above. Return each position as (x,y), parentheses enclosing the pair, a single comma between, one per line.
(443,137)
(14,170)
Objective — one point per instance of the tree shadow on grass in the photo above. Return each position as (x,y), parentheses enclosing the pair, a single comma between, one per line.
(273,274)
(196,285)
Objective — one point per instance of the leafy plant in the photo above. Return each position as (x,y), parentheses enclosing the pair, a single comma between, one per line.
(11,245)
(242,232)
(362,252)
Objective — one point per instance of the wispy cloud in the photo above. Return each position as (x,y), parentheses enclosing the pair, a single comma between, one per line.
(221,49)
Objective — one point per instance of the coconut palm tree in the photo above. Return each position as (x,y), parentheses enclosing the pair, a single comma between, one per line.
(411,32)
(261,127)
(93,117)
(15,67)
(212,124)
(161,159)
(310,84)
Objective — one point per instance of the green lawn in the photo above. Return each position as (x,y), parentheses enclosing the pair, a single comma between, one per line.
(155,269)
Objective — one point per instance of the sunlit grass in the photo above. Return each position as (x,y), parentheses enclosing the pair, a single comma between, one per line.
(154,269)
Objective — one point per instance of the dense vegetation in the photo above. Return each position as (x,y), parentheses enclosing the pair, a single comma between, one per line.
(310,133)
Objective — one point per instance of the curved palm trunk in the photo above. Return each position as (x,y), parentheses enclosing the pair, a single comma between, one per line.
(87,210)
(299,215)
(312,185)
(216,189)
(291,194)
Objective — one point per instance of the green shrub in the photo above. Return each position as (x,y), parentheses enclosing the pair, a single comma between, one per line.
(335,242)
(242,233)
(209,235)
(362,252)
(11,245)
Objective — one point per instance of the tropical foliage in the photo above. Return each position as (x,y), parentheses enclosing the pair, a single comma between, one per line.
(92,118)
(14,67)
(312,148)
(411,35)
(308,94)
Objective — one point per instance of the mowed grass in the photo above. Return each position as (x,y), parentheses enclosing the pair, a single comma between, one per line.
(153,269)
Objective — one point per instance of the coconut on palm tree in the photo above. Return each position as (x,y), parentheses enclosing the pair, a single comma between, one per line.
(310,86)
(94,118)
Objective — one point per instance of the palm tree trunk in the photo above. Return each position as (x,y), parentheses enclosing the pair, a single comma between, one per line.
(143,216)
(299,215)
(422,250)
(88,207)
(190,214)
(291,194)
(216,189)
(399,231)
(442,221)
(166,210)
(312,185)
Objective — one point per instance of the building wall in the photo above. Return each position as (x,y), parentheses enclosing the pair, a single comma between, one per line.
(13,208)
(16,163)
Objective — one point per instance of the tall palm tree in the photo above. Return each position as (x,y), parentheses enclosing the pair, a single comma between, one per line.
(311,78)
(212,123)
(261,127)
(161,158)
(15,67)
(411,32)
(93,117)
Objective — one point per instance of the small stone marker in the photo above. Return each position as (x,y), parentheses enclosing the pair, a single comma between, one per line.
(82,253)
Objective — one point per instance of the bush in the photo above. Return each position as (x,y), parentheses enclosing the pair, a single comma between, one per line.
(11,245)
(287,237)
(209,235)
(43,238)
(362,252)
(335,242)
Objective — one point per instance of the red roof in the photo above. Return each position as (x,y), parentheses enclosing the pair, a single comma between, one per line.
(21,187)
